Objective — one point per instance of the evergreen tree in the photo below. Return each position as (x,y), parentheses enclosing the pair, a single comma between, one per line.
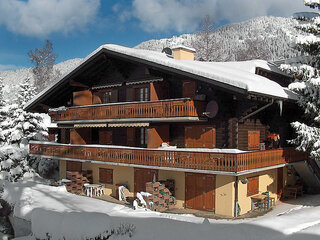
(2,101)
(17,128)
(307,84)
(26,92)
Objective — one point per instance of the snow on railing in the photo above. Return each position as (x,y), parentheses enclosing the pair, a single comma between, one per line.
(173,158)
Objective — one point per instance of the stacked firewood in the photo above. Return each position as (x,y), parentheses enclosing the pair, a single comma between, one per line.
(159,198)
(77,181)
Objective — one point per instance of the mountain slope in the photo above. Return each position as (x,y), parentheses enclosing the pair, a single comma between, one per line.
(12,79)
(268,38)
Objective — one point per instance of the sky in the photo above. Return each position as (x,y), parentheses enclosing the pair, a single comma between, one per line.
(78,27)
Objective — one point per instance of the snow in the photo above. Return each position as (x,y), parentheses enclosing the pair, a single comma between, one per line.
(54,211)
(58,224)
(183,47)
(170,148)
(215,71)
(12,79)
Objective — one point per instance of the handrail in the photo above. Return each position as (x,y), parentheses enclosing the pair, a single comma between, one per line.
(228,162)
(147,109)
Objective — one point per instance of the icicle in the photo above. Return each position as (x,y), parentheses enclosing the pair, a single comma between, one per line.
(280,102)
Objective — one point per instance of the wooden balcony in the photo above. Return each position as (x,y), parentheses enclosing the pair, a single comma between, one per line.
(227,162)
(152,109)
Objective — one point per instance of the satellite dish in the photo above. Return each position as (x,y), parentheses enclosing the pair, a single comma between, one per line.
(211,109)
(167,51)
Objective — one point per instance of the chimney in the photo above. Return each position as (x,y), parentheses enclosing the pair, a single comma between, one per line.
(183,53)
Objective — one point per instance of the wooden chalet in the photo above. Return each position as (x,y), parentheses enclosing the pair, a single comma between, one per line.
(219,130)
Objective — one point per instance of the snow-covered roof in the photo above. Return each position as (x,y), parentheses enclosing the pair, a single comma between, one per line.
(183,47)
(237,76)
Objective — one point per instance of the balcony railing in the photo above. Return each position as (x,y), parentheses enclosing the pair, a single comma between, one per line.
(152,109)
(228,162)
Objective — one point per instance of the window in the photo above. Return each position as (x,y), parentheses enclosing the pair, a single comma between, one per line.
(142,94)
(143,137)
(106,98)
(106,175)
(252,186)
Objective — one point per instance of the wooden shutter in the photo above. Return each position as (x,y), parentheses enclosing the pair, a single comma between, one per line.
(105,136)
(200,137)
(73,166)
(253,140)
(189,89)
(130,94)
(131,137)
(114,96)
(106,175)
(252,186)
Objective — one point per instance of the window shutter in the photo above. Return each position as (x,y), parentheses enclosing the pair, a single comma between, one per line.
(253,140)
(252,186)
(106,175)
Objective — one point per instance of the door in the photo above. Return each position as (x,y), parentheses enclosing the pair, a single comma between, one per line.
(141,177)
(200,137)
(200,191)
(279,182)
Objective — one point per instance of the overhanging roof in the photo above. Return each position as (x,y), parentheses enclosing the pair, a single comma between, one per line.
(223,75)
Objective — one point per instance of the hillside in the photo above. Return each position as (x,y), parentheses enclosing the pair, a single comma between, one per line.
(267,38)
(12,79)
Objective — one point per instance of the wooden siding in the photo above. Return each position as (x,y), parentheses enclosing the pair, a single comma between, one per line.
(229,162)
(158,135)
(250,125)
(154,109)
(82,98)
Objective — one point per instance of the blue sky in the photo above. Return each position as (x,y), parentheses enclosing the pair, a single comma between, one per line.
(77,27)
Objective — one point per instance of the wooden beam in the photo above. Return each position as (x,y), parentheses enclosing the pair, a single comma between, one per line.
(74,83)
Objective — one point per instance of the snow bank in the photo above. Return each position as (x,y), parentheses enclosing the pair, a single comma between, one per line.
(57,212)
(69,225)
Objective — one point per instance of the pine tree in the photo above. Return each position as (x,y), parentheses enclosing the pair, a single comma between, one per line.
(17,128)
(2,101)
(26,92)
(307,85)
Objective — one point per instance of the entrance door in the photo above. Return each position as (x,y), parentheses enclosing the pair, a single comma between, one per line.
(279,182)
(200,191)
(141,177)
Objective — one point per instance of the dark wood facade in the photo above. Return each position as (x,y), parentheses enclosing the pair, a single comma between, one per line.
(122,112)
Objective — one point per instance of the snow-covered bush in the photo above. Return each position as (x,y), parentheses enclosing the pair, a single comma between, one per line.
(124,229)
(13,163)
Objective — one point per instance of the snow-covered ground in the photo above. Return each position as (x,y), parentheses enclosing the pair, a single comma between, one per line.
(53,210)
